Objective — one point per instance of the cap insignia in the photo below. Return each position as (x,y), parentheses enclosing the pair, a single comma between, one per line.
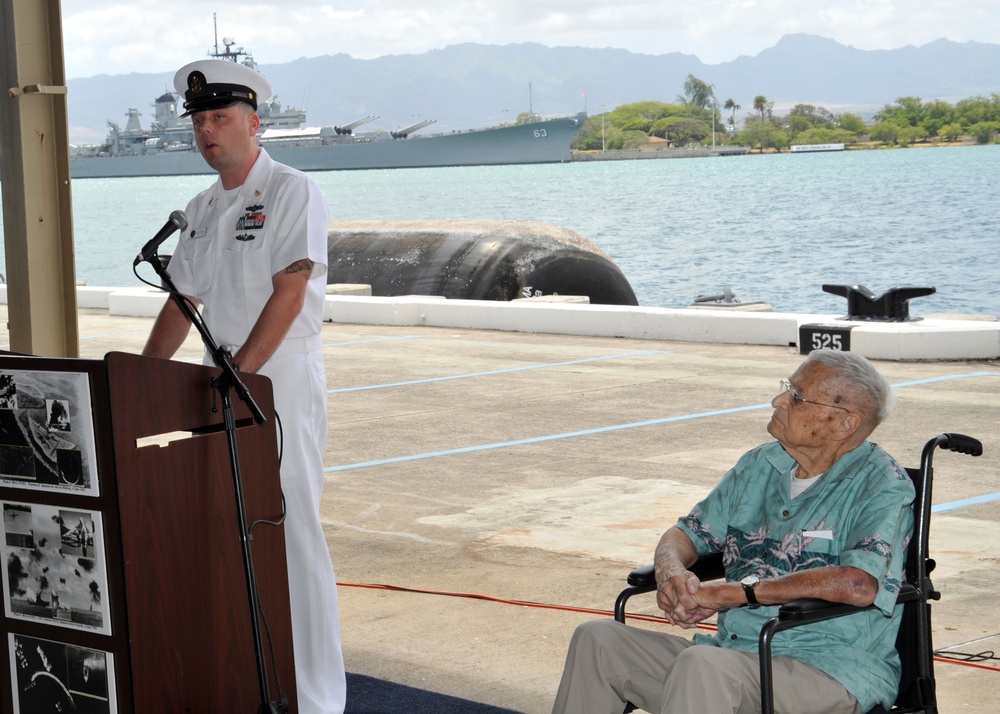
(196,82)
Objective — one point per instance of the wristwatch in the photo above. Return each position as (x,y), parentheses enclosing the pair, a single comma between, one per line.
(749,583)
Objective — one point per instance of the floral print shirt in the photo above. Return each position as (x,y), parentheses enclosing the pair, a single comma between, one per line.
(859,514)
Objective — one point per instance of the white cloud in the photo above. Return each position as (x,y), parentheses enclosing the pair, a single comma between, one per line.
(113,36)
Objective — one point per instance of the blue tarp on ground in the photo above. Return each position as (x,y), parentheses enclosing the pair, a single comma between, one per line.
(368,695)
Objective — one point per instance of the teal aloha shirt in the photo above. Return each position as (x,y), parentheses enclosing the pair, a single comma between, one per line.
(859,514)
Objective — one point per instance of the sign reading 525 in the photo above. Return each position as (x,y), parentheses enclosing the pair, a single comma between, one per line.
(824,337)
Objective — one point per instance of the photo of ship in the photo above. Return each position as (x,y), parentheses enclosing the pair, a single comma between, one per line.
(167,147)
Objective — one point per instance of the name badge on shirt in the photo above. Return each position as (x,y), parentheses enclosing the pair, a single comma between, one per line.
(199,233)
(828,535)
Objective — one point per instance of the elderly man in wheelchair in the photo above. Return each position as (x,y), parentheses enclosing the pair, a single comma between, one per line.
(821,512)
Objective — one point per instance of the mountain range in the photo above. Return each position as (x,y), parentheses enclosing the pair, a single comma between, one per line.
(471,85)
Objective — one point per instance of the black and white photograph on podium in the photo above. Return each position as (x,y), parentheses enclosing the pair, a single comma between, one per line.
(56,570)
(49,676)
(47,432)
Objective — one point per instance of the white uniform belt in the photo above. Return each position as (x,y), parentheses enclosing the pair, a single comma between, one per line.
(289,346)
(298,345)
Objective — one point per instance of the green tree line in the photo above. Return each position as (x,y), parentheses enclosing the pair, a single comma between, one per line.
(697,118)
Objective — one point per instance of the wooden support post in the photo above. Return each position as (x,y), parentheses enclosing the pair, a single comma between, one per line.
(34,165)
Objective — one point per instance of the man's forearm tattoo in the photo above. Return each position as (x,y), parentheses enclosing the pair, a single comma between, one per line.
(300,266)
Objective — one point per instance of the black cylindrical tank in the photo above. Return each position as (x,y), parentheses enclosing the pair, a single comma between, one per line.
(473,260)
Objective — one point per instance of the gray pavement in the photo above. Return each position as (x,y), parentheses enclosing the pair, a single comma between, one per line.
(542,468)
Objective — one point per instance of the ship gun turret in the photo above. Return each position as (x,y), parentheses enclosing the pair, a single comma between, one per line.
(403,133)
(348,128)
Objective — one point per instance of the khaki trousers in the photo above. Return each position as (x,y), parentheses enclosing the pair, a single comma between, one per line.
(609,664)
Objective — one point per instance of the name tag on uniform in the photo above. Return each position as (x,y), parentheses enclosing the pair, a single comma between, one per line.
(199,233)
(828,535)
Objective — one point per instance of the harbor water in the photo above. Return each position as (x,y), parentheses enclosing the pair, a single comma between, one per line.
(773,228)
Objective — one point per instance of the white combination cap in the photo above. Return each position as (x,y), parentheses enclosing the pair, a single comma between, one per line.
(212,84)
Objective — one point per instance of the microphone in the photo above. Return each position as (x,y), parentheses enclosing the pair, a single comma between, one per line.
(177,222)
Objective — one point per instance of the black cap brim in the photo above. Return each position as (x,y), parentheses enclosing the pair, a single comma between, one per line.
(218,96)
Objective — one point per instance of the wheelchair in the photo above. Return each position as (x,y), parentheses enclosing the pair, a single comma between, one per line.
(916,693)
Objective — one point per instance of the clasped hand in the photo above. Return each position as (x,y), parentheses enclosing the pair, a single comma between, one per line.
(685,600)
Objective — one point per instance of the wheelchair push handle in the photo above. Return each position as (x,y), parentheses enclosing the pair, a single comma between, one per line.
(961,443)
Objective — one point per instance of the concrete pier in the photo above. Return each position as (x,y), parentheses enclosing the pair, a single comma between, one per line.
(539,467)
(941,337)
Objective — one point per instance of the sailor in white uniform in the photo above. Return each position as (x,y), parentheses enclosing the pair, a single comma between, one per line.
(254,255)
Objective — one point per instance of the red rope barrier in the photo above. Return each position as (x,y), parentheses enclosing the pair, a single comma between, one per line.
(591,611)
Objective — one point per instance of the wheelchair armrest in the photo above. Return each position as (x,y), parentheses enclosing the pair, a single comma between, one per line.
(808,609)
(640,580)
(792,614)
(801,612)
(642,576)
(707,567)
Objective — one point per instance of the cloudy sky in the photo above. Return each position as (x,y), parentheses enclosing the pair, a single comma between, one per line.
(118,37)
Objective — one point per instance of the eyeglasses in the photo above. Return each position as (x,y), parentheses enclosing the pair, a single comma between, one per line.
(798,399)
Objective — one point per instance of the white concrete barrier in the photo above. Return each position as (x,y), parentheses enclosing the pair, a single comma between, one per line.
(92,297)
(932,338)
(925,339)
(136,302)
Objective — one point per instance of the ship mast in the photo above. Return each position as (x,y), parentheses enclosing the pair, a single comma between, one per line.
(229,51)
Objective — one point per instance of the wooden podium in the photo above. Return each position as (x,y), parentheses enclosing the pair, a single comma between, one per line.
(125,588)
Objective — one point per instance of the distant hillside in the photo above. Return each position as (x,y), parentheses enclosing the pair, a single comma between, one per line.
(468,86)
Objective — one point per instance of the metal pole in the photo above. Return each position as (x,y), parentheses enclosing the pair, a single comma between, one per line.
(603,145)
(715,107)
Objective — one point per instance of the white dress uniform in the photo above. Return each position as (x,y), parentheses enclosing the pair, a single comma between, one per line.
(235,242)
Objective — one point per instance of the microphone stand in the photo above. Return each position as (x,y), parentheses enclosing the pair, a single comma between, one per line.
(223,384)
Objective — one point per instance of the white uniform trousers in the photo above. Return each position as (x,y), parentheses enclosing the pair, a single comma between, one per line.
(297,373)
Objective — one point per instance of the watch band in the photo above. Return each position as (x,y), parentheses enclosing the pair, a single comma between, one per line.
(748,590)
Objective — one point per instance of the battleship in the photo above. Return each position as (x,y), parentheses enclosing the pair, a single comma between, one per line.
(167,147)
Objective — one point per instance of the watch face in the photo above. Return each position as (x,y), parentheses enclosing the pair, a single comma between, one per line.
(749,583)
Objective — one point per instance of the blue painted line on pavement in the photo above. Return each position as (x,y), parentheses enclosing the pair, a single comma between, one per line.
(374,339)
(951,505)
(946,378)
(348,344)
(509,370)
(114,334)
(548,437)
(98,337)
(974,501)
(605,429)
